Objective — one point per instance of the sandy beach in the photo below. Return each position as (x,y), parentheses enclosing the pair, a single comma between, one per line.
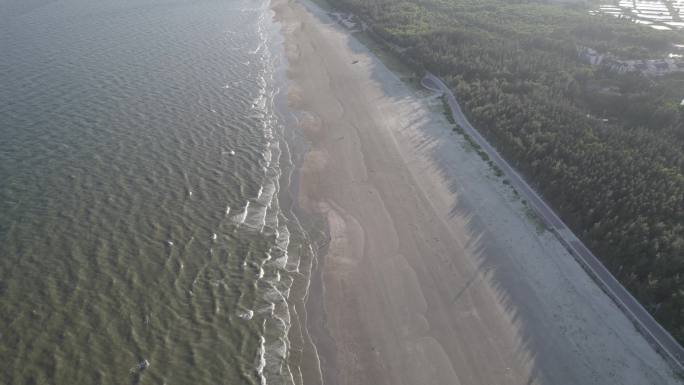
(433,273)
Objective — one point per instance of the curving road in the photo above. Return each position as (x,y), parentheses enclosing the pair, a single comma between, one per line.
(655,334)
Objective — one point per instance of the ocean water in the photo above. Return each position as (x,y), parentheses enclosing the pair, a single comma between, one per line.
(145,208)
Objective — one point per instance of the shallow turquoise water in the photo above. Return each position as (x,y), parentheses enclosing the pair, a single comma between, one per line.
(141,163)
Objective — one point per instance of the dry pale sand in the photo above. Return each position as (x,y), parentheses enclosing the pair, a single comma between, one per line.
(433,274)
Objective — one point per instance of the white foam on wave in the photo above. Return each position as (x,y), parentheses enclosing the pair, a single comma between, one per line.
(246,315)
(239,219)
(244,214)
(273,279)
(258,48)
(261,364)
(281,261)
(267,309)
(283,238)
(261,190)
(276,356)
(267,156)
(276,329)
(257,216)
(259,265)
(268,192)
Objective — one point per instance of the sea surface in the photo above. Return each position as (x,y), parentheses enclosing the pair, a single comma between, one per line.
(146,225)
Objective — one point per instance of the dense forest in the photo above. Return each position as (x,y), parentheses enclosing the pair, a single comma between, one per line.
(605,149)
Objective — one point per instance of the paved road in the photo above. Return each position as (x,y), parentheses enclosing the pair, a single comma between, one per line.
(649,327)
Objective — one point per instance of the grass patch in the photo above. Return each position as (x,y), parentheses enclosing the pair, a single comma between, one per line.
(536,221)
(449,115)
(679,374)
(472,145)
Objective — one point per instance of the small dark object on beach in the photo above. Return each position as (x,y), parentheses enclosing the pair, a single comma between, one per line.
(355,61)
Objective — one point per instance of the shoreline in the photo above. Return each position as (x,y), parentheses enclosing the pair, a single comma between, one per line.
(432,274)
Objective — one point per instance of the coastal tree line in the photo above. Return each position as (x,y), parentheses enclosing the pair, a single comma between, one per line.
(605,149)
